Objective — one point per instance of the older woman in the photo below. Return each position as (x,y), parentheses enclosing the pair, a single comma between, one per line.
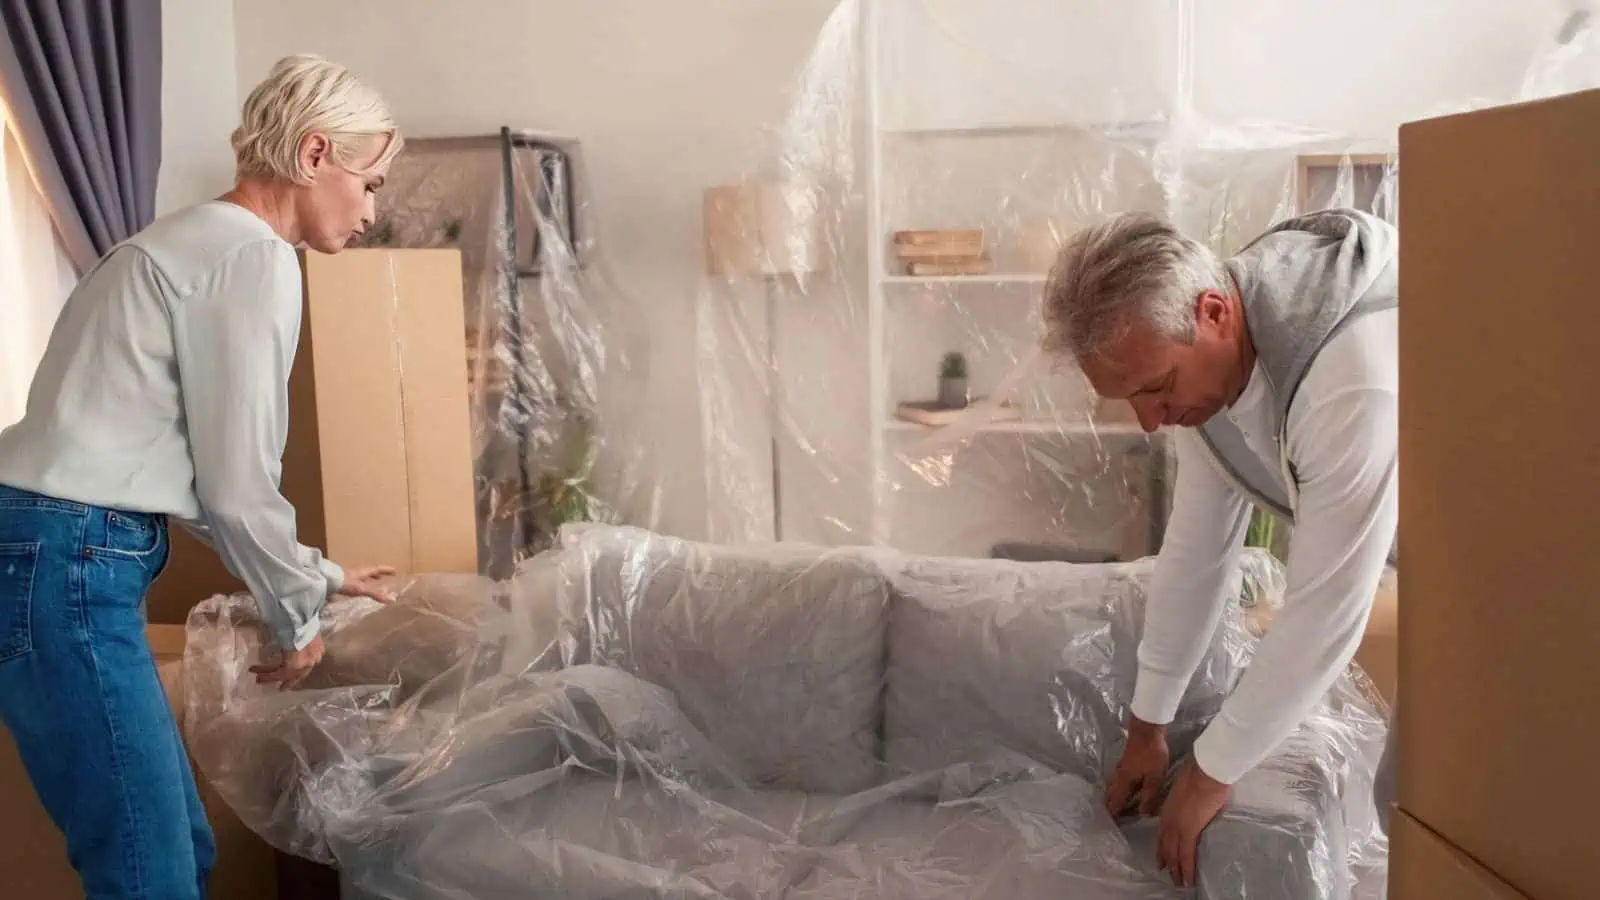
(163,393)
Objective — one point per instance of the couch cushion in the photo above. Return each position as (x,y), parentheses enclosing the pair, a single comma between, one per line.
(775,653)
(1302,824)
(581,837)
(587,838)
(1018,840)
(1282,835)
(990,656)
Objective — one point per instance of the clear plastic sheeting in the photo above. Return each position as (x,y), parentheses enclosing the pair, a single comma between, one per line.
(632,715)
(862,326)
(868,332)
(553,355)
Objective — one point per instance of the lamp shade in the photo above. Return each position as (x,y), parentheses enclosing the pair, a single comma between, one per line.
(760,228)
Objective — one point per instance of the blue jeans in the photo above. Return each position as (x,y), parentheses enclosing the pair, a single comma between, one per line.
(80,694)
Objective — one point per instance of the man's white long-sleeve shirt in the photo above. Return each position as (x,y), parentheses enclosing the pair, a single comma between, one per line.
(1343,442)
(164,389)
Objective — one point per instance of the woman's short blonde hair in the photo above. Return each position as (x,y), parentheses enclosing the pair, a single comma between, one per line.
(303,95)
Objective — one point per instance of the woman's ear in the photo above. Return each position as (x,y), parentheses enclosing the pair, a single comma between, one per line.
(314,152)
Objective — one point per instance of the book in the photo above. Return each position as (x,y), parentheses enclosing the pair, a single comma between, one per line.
(935,236)
(939,253)
(949,267)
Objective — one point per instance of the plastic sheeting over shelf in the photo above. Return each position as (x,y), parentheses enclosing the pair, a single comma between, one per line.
(639,716)
(553,353)
(1002,129)
(809,327)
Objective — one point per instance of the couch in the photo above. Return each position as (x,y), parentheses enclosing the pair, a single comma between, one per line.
(636,716)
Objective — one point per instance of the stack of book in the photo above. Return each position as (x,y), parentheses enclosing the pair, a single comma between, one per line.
(942,252)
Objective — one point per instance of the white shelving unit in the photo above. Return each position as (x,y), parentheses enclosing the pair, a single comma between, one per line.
(886,287)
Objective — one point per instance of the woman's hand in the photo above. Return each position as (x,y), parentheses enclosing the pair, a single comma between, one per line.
(368,582)
(293,667)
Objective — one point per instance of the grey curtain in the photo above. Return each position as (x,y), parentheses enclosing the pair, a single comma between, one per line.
(82,80)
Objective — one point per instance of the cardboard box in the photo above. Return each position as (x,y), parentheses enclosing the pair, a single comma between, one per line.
(33,854)
(1499,359)
(379,458)
(1427,867)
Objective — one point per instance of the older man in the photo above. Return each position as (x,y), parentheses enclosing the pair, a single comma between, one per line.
(1279,365)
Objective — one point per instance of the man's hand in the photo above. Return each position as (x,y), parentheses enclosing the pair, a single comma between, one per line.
(368,582)
(1141,770)
(293,667)
(1196,799)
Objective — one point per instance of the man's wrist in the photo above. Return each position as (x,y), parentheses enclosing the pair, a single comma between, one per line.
(1157,696)
(1199,772)
(1210,755)
(1139,728)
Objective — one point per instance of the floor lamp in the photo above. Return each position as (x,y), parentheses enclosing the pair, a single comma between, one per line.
(759,230)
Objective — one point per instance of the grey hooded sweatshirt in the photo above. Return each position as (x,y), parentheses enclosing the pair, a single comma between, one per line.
(1300,283)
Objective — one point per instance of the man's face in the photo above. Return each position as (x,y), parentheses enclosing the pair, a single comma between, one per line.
(1170,383)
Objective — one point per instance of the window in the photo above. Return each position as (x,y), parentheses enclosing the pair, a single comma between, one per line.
(35,275)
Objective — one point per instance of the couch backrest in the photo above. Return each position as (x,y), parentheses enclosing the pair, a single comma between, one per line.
(830,669)
(994,657)
(775,652)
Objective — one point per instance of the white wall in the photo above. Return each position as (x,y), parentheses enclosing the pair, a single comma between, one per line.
(199,101)
(1248,60)
(1362,66)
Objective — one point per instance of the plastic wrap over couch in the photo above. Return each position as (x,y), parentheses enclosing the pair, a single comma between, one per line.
(634,716)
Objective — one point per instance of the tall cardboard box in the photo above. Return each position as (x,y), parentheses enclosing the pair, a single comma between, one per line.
(379,458)
(1500,505)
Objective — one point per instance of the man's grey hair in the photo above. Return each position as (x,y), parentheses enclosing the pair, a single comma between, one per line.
(1135,267)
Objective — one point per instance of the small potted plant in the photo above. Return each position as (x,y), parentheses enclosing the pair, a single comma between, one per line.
(953,381)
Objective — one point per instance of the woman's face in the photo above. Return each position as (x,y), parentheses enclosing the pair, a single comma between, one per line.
(338,204)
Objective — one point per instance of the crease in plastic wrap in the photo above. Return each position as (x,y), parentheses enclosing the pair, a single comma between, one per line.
(633,715)
(554,355)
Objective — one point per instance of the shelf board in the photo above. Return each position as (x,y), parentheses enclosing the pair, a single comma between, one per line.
(996,278)
(1135,130)
(1034,426)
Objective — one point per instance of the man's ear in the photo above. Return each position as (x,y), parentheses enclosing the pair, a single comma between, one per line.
(1212,308)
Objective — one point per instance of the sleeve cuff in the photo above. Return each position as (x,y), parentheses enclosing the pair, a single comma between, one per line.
(1219,753)
(307,632)
(333,573)
(1156,696)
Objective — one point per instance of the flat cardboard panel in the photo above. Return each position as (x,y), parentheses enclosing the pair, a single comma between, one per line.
(433,388)
(33,856)
(1499,362)
(354,301)
(166,641)
(1424,866)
